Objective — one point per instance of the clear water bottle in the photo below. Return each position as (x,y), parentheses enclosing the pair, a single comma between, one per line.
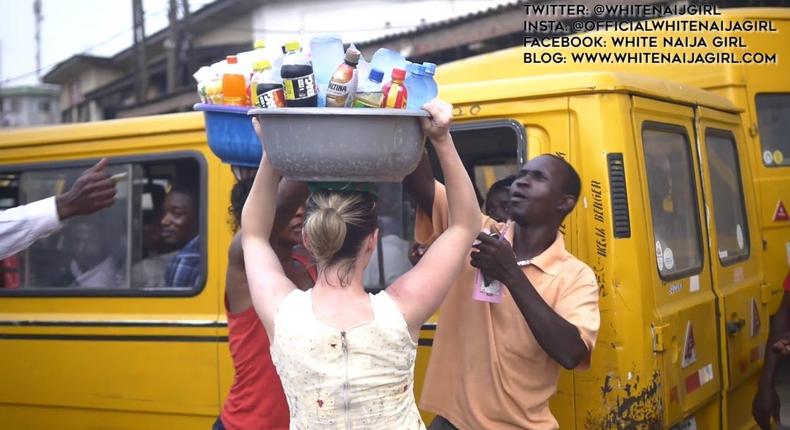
(326,54)
(386,60)
(415,84)
(369,93)
(431,90)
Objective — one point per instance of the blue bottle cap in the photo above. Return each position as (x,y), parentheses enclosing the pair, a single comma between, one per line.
(418,69)
(430,68)
(376,75)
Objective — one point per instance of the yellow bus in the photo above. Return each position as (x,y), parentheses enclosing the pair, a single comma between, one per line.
(761,89)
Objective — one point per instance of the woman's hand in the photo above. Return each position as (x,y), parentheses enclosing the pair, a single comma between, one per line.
(437,126)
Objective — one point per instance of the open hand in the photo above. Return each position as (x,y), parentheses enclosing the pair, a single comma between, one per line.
(92,191)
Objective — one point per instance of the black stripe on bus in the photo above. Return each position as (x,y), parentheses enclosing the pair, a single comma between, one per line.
(111,324)
(425,342)
(113,338)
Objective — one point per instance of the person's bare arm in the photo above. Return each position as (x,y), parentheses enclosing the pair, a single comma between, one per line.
(265,275)
(422,289)
(766,401)
(237,290)
(420,184)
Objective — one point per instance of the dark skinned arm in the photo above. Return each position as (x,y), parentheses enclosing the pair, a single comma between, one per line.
(766,401)
(559,338)
(290,196)
(420,184)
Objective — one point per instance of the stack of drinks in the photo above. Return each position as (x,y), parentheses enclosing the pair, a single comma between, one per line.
(327,77)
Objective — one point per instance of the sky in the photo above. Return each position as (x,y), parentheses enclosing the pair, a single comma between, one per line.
(100,27)
(97,27)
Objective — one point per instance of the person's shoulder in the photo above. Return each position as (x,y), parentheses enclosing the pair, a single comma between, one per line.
(581,271)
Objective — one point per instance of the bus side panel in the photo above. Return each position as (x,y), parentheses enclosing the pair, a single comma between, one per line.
(118,362)
(622,387)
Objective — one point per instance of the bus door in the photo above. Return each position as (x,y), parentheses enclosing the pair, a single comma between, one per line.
(772,179)
(684,327)
(734,259)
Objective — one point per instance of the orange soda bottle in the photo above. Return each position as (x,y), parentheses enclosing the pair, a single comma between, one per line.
(234,83)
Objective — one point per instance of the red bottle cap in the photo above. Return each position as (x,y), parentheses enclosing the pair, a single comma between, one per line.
(231,59)
(398,74)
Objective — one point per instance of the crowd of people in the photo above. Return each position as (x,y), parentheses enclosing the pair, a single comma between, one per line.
(312,348)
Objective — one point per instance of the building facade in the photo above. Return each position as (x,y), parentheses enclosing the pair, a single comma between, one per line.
(28,106)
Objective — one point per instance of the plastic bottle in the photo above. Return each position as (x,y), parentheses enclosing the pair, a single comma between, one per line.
(257,54)
(386,60)
(266,87)
(247,61)
(326,53)
(214,85)
(395,93)
(298,79)
(369,92)
(416,87)
(343,85)
(430,83)
(234,83)
(203,76)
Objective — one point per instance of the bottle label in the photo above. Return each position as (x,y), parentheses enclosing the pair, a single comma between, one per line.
(271,99)
(342,88)
(395,97)
(299,88)
(367,100)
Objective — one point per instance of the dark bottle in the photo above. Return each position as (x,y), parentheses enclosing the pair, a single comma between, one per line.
(298,80)
(266,88)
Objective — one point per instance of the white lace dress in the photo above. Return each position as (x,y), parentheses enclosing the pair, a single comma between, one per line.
(359,378)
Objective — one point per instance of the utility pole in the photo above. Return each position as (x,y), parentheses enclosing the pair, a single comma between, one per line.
(187,59)
(173,46)
(141,83)
(38,18)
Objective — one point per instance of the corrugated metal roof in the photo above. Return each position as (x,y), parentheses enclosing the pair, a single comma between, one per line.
(442,24)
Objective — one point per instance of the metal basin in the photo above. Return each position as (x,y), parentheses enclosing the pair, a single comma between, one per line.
(343,144)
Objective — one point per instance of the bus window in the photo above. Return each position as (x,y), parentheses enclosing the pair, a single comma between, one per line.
(673,200)
(773,124)
(728,207)
(148,240)
(489,150)
(390,259)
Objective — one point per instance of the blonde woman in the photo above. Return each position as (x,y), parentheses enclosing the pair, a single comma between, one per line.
(346,357)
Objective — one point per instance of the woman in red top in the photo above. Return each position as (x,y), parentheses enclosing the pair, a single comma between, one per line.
(256,399)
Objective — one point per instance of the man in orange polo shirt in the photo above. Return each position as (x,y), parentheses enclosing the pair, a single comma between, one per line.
(495,365)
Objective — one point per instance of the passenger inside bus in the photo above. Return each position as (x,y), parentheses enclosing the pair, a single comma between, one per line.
(180,228)
(93,263)
(153,200)
(497,198)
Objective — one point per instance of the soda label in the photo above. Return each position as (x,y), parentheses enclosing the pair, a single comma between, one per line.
(271,99)
(299,88)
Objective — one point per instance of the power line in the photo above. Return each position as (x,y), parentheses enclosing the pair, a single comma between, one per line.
(84,51)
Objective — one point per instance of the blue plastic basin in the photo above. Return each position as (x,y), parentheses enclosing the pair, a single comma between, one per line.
(230,134)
